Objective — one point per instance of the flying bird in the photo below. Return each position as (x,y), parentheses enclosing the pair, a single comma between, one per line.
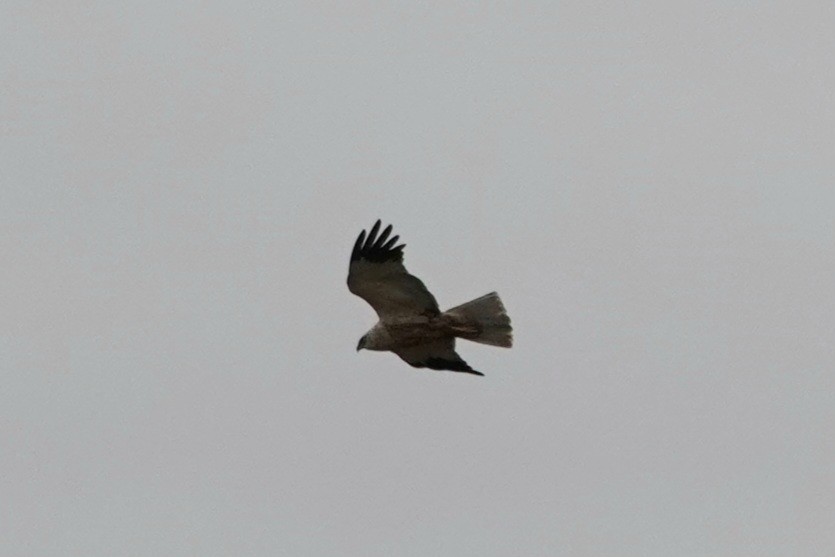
(410,323)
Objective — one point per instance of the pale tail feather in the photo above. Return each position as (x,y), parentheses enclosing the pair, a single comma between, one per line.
(482,320)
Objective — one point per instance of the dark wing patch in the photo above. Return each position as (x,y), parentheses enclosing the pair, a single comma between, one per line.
(439,354)
(377,249)
(446,364)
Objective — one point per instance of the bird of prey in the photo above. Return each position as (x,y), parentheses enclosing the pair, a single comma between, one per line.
(411,325)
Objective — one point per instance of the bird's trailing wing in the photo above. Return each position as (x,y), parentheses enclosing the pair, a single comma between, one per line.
(377,275)
(438,355)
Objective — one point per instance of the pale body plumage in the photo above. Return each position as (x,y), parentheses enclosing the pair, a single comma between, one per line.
(411,325)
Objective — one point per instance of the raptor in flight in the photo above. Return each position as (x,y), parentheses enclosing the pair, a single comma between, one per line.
(411,325)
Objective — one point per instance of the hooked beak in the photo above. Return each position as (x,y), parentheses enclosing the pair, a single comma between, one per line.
(359,345)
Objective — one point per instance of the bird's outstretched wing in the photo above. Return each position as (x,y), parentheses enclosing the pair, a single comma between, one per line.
(439,354)
(377,275)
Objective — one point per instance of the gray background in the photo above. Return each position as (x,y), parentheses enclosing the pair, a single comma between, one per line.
(649,186)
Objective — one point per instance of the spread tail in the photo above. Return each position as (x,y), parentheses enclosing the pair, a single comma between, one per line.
(482,320)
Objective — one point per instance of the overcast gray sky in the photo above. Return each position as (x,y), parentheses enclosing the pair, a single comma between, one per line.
(648,185)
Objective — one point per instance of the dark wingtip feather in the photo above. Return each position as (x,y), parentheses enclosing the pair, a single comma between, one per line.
(383,237)
(358,243)
(377,249)
(372,234)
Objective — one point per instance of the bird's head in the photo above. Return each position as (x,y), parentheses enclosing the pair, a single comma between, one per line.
(361,343)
